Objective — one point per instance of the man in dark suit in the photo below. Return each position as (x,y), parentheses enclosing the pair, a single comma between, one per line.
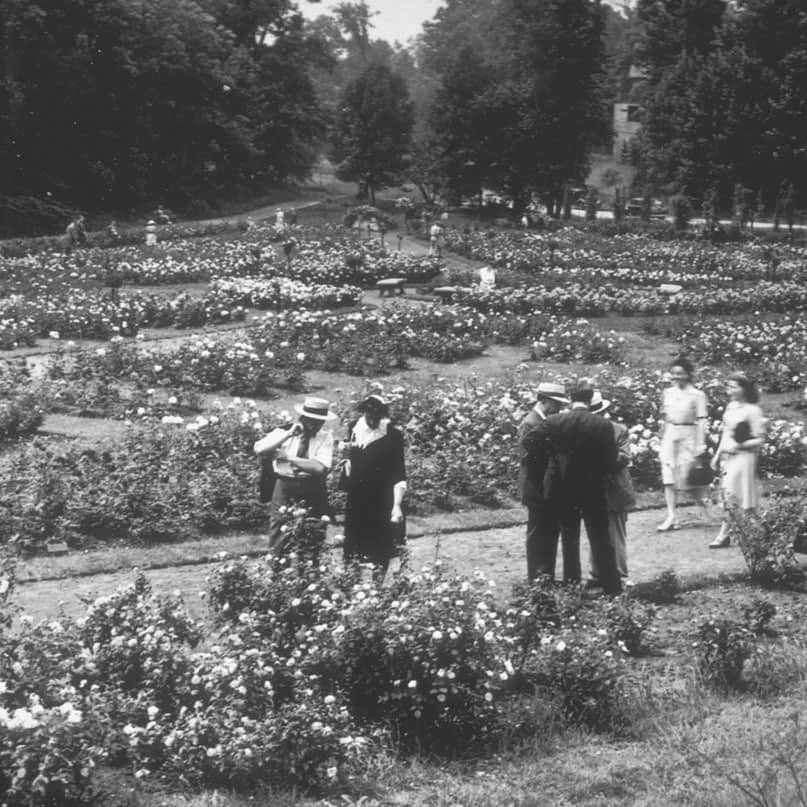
(586,455)
(535,453)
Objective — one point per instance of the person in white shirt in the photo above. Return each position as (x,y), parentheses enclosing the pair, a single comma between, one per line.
(302,458)
(487,278)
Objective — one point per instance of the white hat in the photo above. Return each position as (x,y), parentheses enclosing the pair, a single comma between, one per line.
(316,409)
(550,389)
(598,403)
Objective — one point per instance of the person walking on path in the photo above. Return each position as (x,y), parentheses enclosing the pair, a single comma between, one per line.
(619,493)
(302,456)
(585,457)
(683,438)
(75,234)
(741,438)
(544,519)
(436,240)
(374,478)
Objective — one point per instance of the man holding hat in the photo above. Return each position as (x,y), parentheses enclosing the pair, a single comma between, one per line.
(544,517)
(585,452)
(619,494)
(302,457)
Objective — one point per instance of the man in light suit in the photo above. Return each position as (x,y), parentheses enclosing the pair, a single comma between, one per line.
(535,453)
(585,452)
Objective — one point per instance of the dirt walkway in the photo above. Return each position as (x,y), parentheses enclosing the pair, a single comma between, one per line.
(498,552)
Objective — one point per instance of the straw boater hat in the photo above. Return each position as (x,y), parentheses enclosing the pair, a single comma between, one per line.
(556,392)
(598,403)
(316,409)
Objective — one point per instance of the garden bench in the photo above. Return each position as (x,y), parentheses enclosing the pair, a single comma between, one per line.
(445,293)
(390,286)
(670,288)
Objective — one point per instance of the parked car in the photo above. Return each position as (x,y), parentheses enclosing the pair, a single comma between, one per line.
(636,207)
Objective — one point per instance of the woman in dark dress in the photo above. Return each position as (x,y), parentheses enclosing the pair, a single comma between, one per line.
(375,480)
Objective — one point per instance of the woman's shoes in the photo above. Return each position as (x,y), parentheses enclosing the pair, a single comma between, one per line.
(668,525)
(721,542)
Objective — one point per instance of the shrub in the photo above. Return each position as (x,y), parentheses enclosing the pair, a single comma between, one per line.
(723,647)
(767,540)
(627,622)
(661,590)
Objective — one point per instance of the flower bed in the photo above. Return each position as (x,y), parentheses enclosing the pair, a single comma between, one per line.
(283,292)
(579,299)
(304,679)
(775,349)
(575,254)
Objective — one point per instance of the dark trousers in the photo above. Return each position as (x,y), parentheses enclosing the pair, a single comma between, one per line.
(594,513)
(546,522)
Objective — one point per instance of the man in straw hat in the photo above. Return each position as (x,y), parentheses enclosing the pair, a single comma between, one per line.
(302,456)
(619,494)
(585,453)
(544,518)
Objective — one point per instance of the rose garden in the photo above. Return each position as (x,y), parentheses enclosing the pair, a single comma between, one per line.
(293,681)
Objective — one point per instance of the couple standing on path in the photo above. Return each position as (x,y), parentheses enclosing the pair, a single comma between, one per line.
(573,467)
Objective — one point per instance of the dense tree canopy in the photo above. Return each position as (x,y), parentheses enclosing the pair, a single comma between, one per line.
(372,135)
(111,102)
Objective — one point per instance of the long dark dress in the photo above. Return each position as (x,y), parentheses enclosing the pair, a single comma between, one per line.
(374,470)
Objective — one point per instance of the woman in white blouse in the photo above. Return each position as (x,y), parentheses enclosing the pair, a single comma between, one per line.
(741,439)
(683,437)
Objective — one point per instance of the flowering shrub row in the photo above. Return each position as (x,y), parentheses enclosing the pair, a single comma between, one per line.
(309,672)
(175,478)
(576,255)
(775,349)
(582,299)
(325,255)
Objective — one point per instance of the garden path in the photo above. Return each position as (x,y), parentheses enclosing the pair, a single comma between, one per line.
(498,551)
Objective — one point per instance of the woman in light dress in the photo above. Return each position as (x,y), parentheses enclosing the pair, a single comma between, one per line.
(683,438)
(742,437)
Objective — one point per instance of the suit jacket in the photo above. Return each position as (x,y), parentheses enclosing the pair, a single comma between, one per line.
(619,491)
(535,454)
(586,454)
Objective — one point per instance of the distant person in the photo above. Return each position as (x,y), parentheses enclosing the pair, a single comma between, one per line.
(487,278)
(112,230)
(75,234)
(280,220)
(289,245)
(741,438)
(162,215)
(683,438)
(151,233)
(302,456)
(436,240)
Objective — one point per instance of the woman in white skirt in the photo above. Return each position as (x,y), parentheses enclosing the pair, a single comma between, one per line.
(741,439)
(683,437)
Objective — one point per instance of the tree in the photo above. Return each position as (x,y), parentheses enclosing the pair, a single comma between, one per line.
(372,135)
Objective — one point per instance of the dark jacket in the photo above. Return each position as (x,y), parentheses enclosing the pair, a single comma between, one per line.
(535,454)
(585,453)
(619,492)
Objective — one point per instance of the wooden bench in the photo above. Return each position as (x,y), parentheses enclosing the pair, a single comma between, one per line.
(445,293)
(390,286)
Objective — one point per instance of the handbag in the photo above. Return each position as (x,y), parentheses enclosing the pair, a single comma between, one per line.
(267,477)
(742,432)
(700,473)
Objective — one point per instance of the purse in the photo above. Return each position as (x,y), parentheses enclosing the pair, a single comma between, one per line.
(266,480)
(742,432)
(700,473)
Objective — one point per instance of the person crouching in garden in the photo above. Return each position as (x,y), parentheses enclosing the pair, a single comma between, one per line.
(302,456)
(619,493)
(741,438)
(374,478)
